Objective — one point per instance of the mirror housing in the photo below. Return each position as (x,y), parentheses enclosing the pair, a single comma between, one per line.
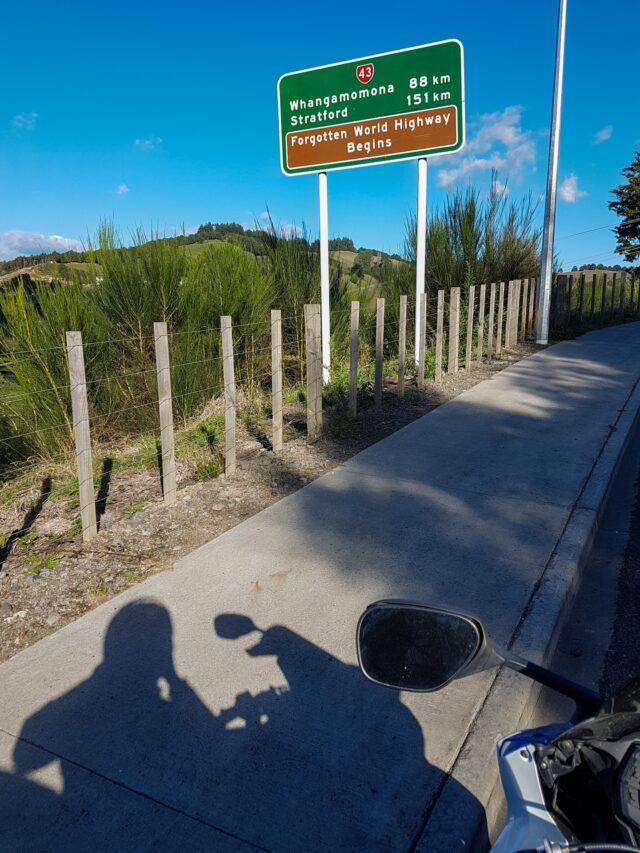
(417,647)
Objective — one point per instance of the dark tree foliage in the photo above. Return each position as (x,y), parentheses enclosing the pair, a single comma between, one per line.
(43,257)
(231,232)
(627,206)
(336,244)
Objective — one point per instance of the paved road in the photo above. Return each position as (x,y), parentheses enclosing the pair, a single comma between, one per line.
(219,705)
(600,645)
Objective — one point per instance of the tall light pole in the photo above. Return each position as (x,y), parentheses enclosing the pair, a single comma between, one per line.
(546,259)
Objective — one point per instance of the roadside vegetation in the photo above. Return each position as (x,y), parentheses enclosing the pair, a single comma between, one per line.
(121,291)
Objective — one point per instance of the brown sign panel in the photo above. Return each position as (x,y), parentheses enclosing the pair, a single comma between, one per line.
(372,138)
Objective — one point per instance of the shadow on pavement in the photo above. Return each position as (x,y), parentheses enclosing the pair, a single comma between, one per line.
(324,762)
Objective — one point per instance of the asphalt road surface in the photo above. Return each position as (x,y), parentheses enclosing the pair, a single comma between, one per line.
(600,644)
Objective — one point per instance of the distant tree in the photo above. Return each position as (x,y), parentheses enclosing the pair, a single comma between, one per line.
(627,206)
(574,268)
(224,228)
(217,231)
(341,244)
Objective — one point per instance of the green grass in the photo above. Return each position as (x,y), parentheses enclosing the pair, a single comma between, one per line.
(294,394)
(209,470)
(133,508)
(207,433)
(35,562)
(193,249)
(100,591)
(133,577)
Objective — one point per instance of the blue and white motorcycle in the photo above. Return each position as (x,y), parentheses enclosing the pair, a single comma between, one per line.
(579,789)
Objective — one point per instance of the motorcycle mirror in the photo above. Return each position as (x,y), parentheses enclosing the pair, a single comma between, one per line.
(418,647)
(231,626)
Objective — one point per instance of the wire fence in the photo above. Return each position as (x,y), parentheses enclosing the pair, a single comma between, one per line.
(456,329)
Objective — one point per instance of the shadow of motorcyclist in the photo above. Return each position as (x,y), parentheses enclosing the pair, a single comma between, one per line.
(134,721)
(327,761)
(334,739)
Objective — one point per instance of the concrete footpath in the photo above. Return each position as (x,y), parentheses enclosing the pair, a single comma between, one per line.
(218,706)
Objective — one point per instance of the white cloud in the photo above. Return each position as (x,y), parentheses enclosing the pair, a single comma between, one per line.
(291,230)
(24,122)
(497,142)
(123,189)
(569,191)
(14,243)
(149,144)
(265,215)
(602,135)
(499,188)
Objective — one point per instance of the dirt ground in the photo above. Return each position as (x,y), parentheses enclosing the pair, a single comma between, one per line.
(48,577)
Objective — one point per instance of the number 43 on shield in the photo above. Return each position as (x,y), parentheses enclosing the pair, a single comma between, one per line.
(364,73)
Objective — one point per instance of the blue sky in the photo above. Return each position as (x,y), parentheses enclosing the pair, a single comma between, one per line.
(165,115)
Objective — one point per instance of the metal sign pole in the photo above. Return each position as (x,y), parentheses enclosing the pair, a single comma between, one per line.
(546,258)
(421,243)
(324,276)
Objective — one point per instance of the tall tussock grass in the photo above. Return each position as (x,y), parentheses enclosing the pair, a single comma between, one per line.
(471,239)
(132,287)
(477,239)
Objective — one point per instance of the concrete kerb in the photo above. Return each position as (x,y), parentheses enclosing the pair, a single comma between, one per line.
(454,824)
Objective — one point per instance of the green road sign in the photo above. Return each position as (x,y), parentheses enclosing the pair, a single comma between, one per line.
(392,106)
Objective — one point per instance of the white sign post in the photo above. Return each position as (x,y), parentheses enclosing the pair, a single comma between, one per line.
(421,245)
(324,277)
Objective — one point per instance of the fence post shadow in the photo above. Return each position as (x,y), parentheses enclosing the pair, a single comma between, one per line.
(28,521)
(103,490)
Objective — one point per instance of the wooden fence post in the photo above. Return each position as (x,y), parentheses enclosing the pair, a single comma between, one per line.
(353,358)
(532,304)
(570,300)
(525,307)
(276,380)
(163,374)
(594,284)
(422,345)
(508,330)
(454,330)
(492,317)
(439,333)
(314,371)
(228,376)
(481,301)
(471,305)
(402,344)
(516,315)
(623,293)
(632,300)
(557,301)
(613,296)
(581,300)
(500,319)
(603,297)
(82,435)
(379,353)
(561,299)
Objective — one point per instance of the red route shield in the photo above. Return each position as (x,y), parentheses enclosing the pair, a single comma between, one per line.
(364,73)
